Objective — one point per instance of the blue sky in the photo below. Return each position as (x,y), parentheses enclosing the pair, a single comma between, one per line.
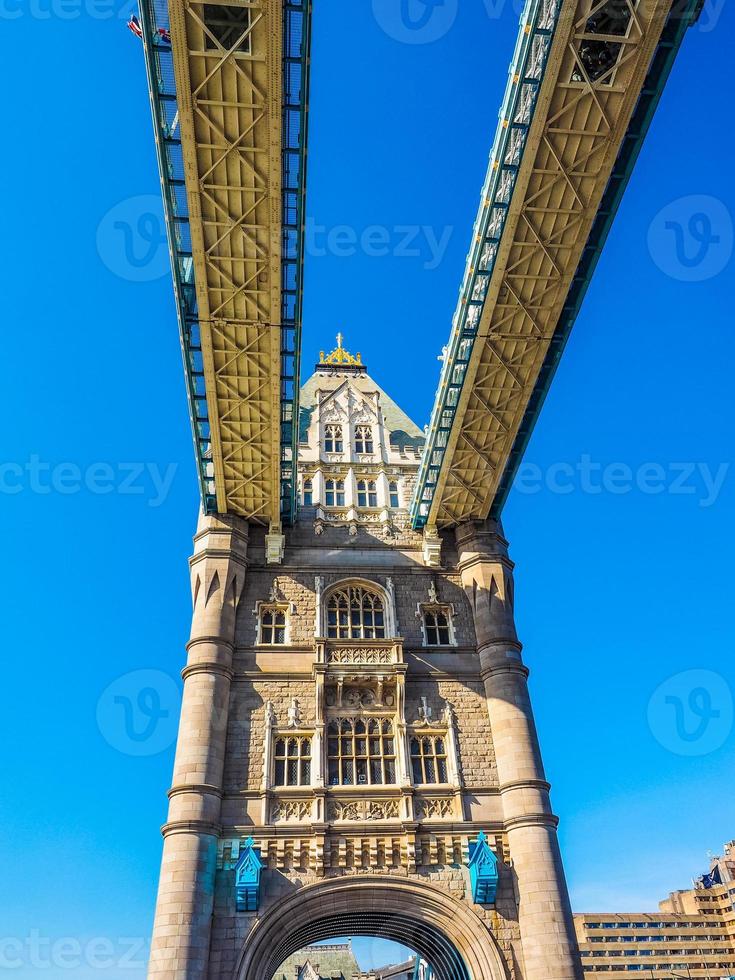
(621,531)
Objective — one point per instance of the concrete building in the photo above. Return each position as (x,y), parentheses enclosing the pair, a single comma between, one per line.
(357,753)
(693,935)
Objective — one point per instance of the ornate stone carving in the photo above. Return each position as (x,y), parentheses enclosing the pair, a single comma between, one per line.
(360,655)
(424,711)
(294,713)
(435,809)
(383,810)
(363,810)
(290,810)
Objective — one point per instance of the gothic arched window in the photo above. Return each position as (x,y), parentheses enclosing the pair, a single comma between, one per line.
(367,493)
(363,439)
(308,493)
(361,752)
(393,494)
(429,759)
(333,439)
(355,613)
(293,762)
(272,625)
(334,493)
(437,627)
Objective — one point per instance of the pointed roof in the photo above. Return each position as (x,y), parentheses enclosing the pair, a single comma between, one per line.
(402,431)
(328,961)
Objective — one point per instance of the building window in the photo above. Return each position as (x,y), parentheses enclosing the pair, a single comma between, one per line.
(361,753)
(437,627)
(333,439)
(293,762)
(334,493)
(272,623)
(393,494)
(363,439)
(367,493)
(355,614)
(429,759)
(308,493)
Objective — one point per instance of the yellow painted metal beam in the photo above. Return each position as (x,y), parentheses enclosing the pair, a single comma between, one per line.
(577,130)
(228,68)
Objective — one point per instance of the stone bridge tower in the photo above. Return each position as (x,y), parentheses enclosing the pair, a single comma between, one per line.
(357,752)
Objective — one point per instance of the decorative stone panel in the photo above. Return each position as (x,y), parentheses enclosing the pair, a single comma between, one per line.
(363,810)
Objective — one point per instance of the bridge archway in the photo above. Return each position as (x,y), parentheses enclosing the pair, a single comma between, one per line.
(445,931)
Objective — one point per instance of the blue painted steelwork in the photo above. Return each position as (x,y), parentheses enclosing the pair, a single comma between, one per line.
(162,89)
(680,19)
(483,871)
(296,47)
(247,877)
(422,970)
(538,24)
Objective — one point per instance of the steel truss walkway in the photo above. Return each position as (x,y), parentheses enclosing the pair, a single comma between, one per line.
(585,81)
(229,96)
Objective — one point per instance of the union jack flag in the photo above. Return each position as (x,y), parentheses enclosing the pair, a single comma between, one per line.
(134,26)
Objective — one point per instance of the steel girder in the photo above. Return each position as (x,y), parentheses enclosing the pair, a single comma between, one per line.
(231,136)
(547,178)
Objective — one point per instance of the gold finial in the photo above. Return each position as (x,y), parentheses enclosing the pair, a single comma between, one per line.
(339,355)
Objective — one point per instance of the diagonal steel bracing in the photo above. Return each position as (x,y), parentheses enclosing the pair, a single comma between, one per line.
(237,76)
(582,68)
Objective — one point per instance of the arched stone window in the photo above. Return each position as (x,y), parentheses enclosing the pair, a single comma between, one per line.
(333,442)
(292,761)
(361,752)
(334,493)
(308,493)
(356,613)
(272,624)
(393,495)
(429,759)
(363,439)
(367,493)
(437,626)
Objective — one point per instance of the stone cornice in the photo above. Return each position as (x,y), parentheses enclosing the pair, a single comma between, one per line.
(208,668)
(532,820)
(541,784)
(196,788)
(207,827)
(506,667)
(209,639)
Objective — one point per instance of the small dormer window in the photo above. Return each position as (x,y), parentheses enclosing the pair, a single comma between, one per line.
(333,439)
(363,439)
(367,493)
(334,493)
(293,762)
(437,626)
(393,495)
(308,493)
(272,623)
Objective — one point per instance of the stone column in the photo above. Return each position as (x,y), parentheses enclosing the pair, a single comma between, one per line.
(181,932)
(545,919)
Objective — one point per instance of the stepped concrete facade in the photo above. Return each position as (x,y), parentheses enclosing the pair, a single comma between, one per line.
(353,719)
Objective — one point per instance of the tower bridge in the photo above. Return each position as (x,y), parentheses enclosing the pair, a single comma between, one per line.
(357,752)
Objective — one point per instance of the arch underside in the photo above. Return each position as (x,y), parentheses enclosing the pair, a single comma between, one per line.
(441,929)
(435,948)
